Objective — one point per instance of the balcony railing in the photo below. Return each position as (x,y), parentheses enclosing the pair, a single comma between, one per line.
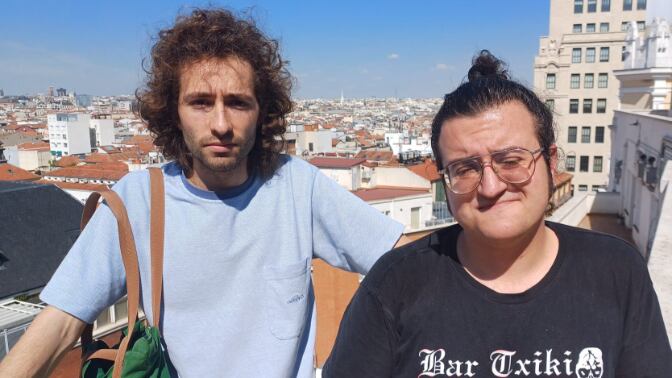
(440,214)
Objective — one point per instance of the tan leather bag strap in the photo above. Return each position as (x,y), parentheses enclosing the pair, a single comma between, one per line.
(156,240)
(130,261)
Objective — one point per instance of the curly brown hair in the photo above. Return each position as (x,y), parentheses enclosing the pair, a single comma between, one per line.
(216,33)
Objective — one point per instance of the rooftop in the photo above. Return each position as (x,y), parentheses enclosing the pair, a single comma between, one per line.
(388,192)
(342,163)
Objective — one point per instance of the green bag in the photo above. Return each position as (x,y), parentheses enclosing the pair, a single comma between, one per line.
(139,353)
(144,358)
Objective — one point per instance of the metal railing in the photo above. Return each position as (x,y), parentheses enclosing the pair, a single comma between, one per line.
(440,214)
(9,337)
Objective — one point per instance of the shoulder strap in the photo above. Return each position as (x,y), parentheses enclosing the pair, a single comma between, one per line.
(156,240)
(129,257)
(130,261)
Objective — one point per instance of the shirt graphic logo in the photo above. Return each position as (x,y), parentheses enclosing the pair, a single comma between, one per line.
(590,363)
(507,363)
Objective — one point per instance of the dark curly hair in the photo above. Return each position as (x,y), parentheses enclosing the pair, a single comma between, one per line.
(216,33)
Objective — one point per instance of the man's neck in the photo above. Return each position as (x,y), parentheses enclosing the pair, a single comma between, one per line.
(214,181)
(511,266)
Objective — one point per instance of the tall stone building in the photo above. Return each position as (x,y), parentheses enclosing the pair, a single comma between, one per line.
(573,72)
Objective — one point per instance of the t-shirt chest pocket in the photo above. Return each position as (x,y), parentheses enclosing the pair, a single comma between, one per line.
(286,294)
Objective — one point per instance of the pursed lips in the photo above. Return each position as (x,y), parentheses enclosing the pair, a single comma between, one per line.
(494,204)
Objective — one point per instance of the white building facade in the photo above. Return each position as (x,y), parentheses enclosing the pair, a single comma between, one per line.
(104,131)
(573,73)
(642,136)
(69,134)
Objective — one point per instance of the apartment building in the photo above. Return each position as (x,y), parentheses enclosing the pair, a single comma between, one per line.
(573,73)
(69,134)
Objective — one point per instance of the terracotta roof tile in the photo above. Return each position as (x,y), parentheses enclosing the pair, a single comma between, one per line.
(327,162)
(427,170)
(68,161)
(93,171)
(562,178)
(75,185)
(9,172)
(39,146)
(388,192)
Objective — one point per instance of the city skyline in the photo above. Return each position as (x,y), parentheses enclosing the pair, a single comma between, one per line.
(362,50)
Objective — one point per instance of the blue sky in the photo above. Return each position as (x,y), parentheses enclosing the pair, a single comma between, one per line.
(365,48)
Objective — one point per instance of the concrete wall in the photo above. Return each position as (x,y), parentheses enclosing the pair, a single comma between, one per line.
(104,131)
(400,209)
(583,203)
(397,176)
(349,178)
(660,258)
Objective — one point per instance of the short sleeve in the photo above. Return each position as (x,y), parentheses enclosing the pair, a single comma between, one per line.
(646,348)
(91,277)
(365,344)
(348,233)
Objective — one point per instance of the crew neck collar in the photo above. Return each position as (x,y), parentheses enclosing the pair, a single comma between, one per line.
(220,194)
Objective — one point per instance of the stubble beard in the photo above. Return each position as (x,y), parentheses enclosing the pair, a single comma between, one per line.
(220,164)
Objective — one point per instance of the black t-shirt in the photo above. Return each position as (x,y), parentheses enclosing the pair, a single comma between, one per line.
(419,313)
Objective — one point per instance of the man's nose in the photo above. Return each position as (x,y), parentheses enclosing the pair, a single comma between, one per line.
(491,185)
(220,123)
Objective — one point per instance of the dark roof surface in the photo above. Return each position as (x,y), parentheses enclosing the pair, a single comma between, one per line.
(38,225)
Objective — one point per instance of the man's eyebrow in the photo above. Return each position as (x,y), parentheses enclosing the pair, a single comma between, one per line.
(507,148)
(194,95)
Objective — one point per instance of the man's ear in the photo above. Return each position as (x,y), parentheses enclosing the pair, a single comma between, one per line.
(553,153)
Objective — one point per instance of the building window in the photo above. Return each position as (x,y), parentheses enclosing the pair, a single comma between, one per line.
(641,25)
(575,81)
(588,80)
(570,164)
(606,5)
(550,104)
(583,164)
(576,55)
(604,54)
(604,27)
(590,28)
(599,134)
(641,4)
(550,81)
(590,55)
(624,53)
(597,164)
(602,80)
(624,26)
(583,188)
(587,105)
(627,5)
(576,28)
(601,106)
(585,134)
(571,134)
(573,105)
(578,6)
(592,6)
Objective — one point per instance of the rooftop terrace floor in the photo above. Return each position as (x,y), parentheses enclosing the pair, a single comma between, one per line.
(607,223)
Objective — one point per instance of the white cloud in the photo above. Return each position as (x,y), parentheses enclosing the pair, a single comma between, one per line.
(393,56)
(441,66)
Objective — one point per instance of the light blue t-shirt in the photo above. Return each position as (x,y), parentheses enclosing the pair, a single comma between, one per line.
(238,298)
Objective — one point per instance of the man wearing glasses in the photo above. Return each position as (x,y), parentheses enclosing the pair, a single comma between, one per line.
(502,293)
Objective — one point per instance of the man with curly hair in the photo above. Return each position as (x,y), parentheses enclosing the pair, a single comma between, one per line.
(243,221)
